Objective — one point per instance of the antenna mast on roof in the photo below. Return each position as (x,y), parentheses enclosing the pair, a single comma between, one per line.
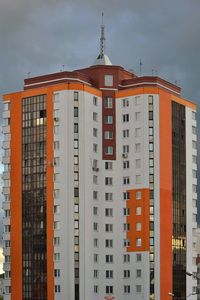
(141,67)
(102,39)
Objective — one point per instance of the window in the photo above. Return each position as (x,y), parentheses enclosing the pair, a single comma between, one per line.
(6,121)
(138,195)
(56,256)
(109,289)
(138,210)
(138,288)
(108,196)
(108,180)
(6,137)
(138,257)
(138,163)
(138,179)
(95,242)
(127,289)
(194,130)
(108,150)
(126,211)
(57,273)
(150,115)
(108,119)
(109,273)
(126,273)
(108,212)
(95,179)
(126,180)
(56,177)
(108,243)
(126,195)
(125,102)
(76,192)
(95,195)
(95,132)
(194,188)
(95,211)
(6,106)
(95,101)
(194,173)
(126,164)
(138,132)
(95,226)
(56,129)
(95,116)
(108,135)
(56,145)
(137,147)
(108,227)
(56,209)
(95,164)
(95,148)
(138,226)
(96,289)
(194,159)
(125,118)
(108,102)
(7,289)
(75,127)
(137,116)
(56,241)
(75,112)
(151,147)
(108,165)
(126,243)
(56,161)
(7,258)
(150,131)
(108,80)
(7,274)
(125,148)
(96,258)
(7,243)
(56,225)
(6,228)
(126,227)
(96,274)
(193,115)
(137,100)
(57,288)
(109,258)
(126,258)
(138,242)
(75,96)
(125,133)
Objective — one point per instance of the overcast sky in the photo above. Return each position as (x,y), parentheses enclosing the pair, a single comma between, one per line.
(39,36)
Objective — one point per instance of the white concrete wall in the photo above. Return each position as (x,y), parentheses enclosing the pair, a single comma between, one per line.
(190,195)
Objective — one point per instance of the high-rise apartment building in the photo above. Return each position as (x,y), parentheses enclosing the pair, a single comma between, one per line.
(99,187)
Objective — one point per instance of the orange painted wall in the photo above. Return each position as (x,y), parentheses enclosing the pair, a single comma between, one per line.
(132,219)
(153,90)
(165,195)
(16,196)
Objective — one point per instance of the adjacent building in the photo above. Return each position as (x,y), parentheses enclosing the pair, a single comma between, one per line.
(99,187)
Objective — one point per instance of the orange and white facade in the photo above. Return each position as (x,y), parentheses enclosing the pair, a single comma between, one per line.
(99,187)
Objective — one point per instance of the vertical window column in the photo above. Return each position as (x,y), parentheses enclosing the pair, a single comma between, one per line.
(151,193)
(76,195)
